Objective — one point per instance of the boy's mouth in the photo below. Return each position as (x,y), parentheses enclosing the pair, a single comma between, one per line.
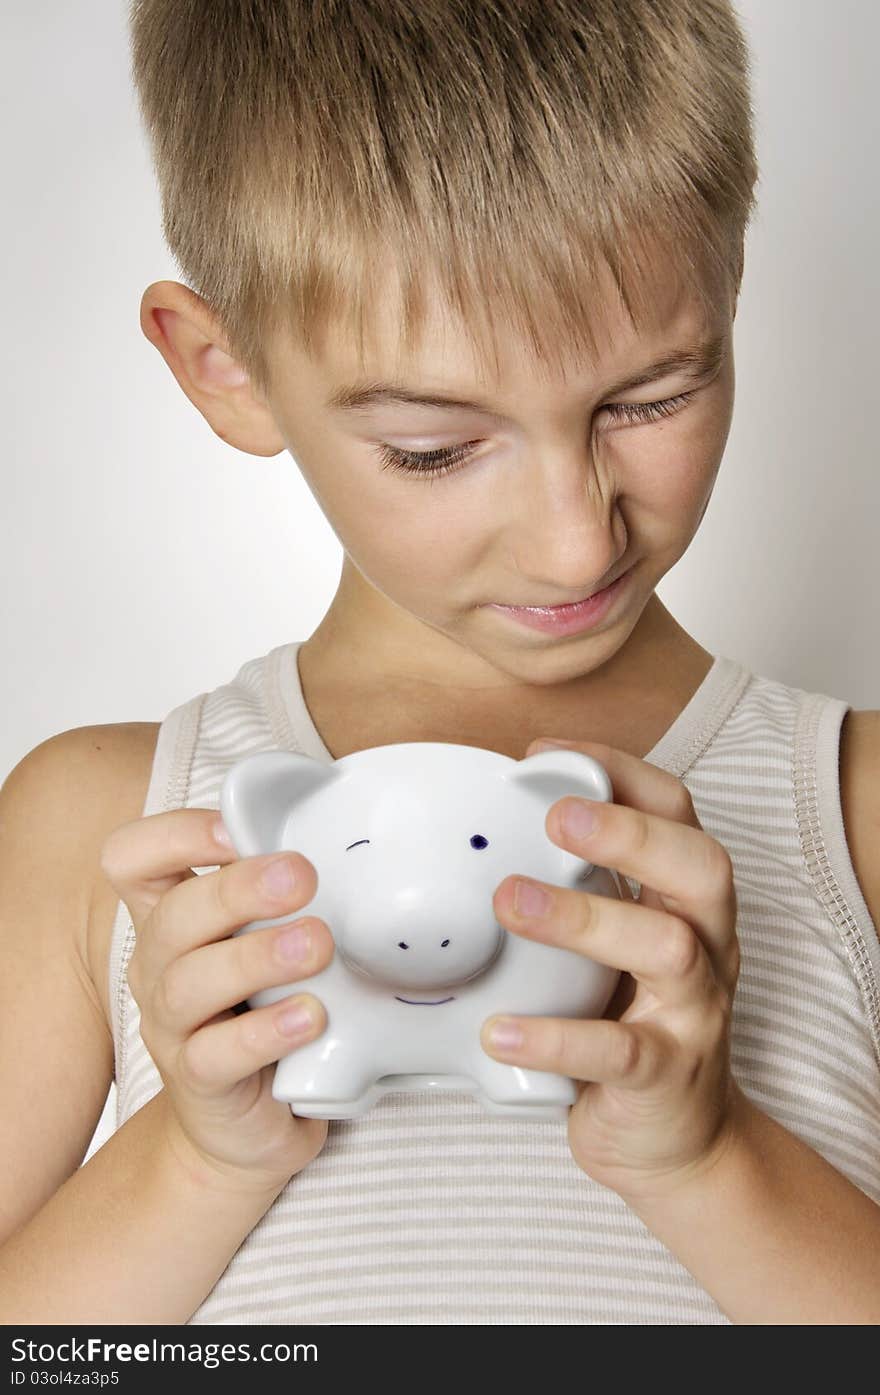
(568,619)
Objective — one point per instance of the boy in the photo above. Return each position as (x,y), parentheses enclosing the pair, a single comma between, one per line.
(567,187)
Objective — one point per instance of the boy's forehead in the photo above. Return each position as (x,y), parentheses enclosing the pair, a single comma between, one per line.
(446,359)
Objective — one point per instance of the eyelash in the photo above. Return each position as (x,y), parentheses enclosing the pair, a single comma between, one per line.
(441,462)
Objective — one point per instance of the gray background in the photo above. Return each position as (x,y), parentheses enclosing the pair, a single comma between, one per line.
(144,560)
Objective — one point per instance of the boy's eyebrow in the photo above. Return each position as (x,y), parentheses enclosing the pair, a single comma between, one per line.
(694,359)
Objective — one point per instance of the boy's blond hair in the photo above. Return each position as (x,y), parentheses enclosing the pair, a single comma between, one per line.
(511,148)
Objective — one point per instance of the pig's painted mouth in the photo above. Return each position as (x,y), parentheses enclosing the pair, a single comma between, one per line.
(425,1002)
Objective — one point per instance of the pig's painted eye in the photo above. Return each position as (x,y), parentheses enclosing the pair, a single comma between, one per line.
(478,841)
(357,844)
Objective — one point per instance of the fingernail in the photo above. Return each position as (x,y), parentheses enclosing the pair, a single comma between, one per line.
(294,1020)
(278,877)
(529,899)
(221,834)
(505,1034)
(578,817)
(546,743)
(295,943)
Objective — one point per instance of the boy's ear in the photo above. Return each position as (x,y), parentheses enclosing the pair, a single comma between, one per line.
(184,330)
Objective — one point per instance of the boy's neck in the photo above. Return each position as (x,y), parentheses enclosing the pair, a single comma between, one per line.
(348,667)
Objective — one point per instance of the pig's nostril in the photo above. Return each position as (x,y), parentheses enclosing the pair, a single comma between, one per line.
(401,944)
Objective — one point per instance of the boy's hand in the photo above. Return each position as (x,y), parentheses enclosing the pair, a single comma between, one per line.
(658,1102)
(187,975)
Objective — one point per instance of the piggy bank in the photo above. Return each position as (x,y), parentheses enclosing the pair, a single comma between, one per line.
(409,843)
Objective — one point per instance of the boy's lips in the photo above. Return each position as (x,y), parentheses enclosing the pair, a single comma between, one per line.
(572,617)
(559,605)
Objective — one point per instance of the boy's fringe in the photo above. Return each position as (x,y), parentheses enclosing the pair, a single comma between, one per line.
(510,151)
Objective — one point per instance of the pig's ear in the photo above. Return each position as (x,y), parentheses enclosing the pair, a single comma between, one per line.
(259,792)
(554,774)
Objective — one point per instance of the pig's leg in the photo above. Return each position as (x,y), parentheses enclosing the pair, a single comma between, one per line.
(336,1088)
(503,1084)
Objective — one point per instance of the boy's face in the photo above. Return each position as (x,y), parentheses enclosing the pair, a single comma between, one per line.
(556,498)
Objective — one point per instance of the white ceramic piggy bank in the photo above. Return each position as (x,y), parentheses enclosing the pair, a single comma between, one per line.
(409,843)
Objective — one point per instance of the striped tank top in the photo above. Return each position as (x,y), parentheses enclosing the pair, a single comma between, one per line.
(430,1210)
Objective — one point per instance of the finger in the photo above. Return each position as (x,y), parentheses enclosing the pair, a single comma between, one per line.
(637,782)
(221,1054)
(611,1053)
(197,986)
(690,871)
(640,785)
(207,908)
(661,951)
(144,858)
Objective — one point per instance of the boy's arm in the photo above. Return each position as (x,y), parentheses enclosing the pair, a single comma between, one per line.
(774,1232)
(56,1049)
(140,1233)
(860,802)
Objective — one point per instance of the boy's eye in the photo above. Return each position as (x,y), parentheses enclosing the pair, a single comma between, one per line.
(428,462)
(439,462)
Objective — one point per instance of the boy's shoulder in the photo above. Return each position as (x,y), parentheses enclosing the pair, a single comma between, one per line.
(102,772)
(58,805)
(860,801)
